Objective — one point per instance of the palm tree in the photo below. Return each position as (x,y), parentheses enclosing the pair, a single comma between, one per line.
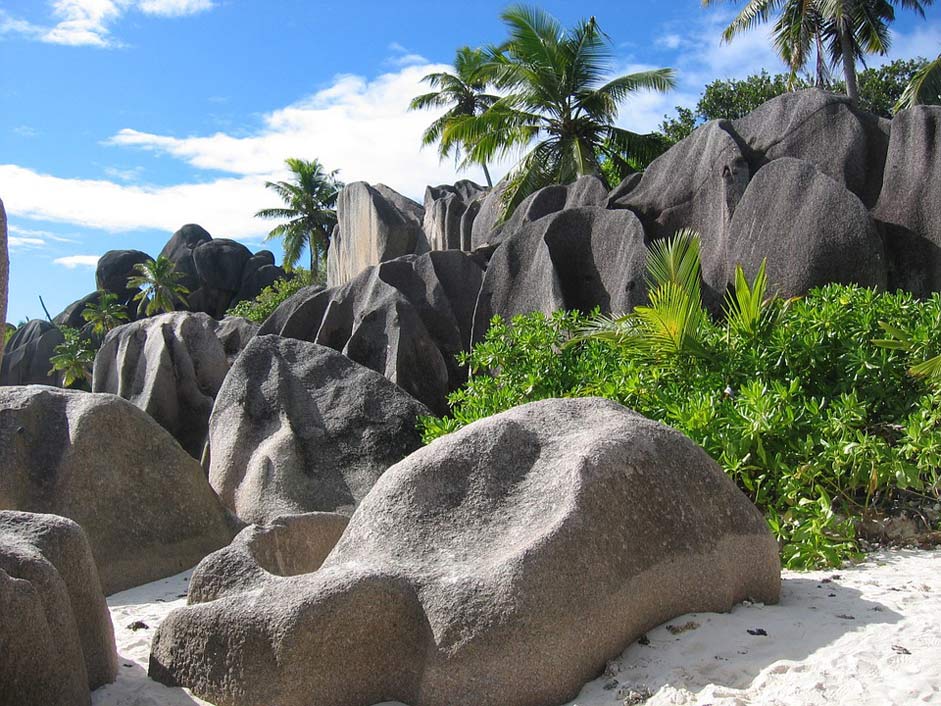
(106,314)
(160,286)
(924,88)
(556,96)
(845,30)
(463,92)
(4,270)
(309,211)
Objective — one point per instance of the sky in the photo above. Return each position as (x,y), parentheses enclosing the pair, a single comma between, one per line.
(121,120)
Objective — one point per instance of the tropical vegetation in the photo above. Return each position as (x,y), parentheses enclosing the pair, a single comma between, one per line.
(464,93)
(837,32)
(270,298)
(105,314)
(74,358)
(159,284)
(557,101)
(309,211)
(924,87)
(810,405)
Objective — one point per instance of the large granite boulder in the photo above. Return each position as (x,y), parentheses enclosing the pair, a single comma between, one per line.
(488,213)
(446,207)
(259,272)
(286,546)
(144,504)
(219,263)
(843,142)
(909,206)
(811,230)
(171,366)
(179,250)
(501,565)
(56,636)
(573,259)
(113,270)
(405,318)
(71,316)
(26,355)
(298,427)
(696,184)
(374,224)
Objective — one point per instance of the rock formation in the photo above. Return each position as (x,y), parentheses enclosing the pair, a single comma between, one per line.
(144,504)
(290,545)
(4,271)
(446,208)
(27,353)
(508,561)
(298,427)
(406,319)
(171,366)
(56,636)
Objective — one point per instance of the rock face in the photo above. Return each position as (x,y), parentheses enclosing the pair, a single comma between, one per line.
(446,207)
(822,128)
(114,269)
(811,230)
(908,206)
(144,504)
(27,353)
(171,366)
(55,630)
(4,270)
(375,224)
(287,546)
(179,250)
(298,427)
(508,561)
(573,259)
(405,318)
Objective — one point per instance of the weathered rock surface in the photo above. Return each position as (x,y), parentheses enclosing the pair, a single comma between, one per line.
(235,332)
(810,229)
(375,224)
(504,563)
(27,353)
(56,636)
(171,366)
(298,427)
(113,270)
(696,184)
(574,259)
(909,206)
(405,318)
(144,504)
(179,250)
(286,546)
(219,263)
(446,208)
(825,129)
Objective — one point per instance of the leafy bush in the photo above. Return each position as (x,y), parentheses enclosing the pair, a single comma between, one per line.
(261,307)
(74,358)
(815,421)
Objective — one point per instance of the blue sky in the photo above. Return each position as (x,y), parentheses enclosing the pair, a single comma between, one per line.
(122,120)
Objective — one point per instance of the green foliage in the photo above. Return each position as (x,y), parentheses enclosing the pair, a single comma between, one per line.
(881,87)
(159,284)
(812,419)
(74,358)
(8,332)
(106,314)
(261,307)
(924,86)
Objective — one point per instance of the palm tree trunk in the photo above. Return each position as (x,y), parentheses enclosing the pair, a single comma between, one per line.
(4,275)
(487,175)
(849,61)
(314,259)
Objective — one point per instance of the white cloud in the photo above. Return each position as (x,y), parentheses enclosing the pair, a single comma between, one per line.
(88,22)
(132,174)
(174,8)
(30,239)
(17,242)
(73,261)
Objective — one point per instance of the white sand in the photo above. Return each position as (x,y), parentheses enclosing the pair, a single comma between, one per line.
(869,634)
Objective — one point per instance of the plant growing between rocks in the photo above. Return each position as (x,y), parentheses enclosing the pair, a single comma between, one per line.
(820,424)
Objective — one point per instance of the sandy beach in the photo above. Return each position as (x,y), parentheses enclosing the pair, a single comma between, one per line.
(866,634)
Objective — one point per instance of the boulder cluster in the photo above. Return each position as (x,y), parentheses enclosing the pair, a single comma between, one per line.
(501,564)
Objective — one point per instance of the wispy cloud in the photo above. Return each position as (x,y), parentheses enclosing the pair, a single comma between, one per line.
(88,22)
(73,261)
(131,174)
(30,239)
(403,57)
(25,131)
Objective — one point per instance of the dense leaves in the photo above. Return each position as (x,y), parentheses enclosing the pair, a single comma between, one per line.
(815,422)
(261,307)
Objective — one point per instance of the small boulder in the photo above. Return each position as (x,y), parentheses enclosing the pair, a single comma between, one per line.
(55,629)
(26,355)
(299,427)
(506,563)
(144,504)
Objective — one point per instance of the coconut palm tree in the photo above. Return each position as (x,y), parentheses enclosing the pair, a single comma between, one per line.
(309,211)
(924,88)
(559,100)
(106,314)
(463,93)
(159,285)
(844,30)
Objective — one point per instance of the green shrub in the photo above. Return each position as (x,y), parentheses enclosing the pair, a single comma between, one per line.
(74,358)
(261,307)
(815,421)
